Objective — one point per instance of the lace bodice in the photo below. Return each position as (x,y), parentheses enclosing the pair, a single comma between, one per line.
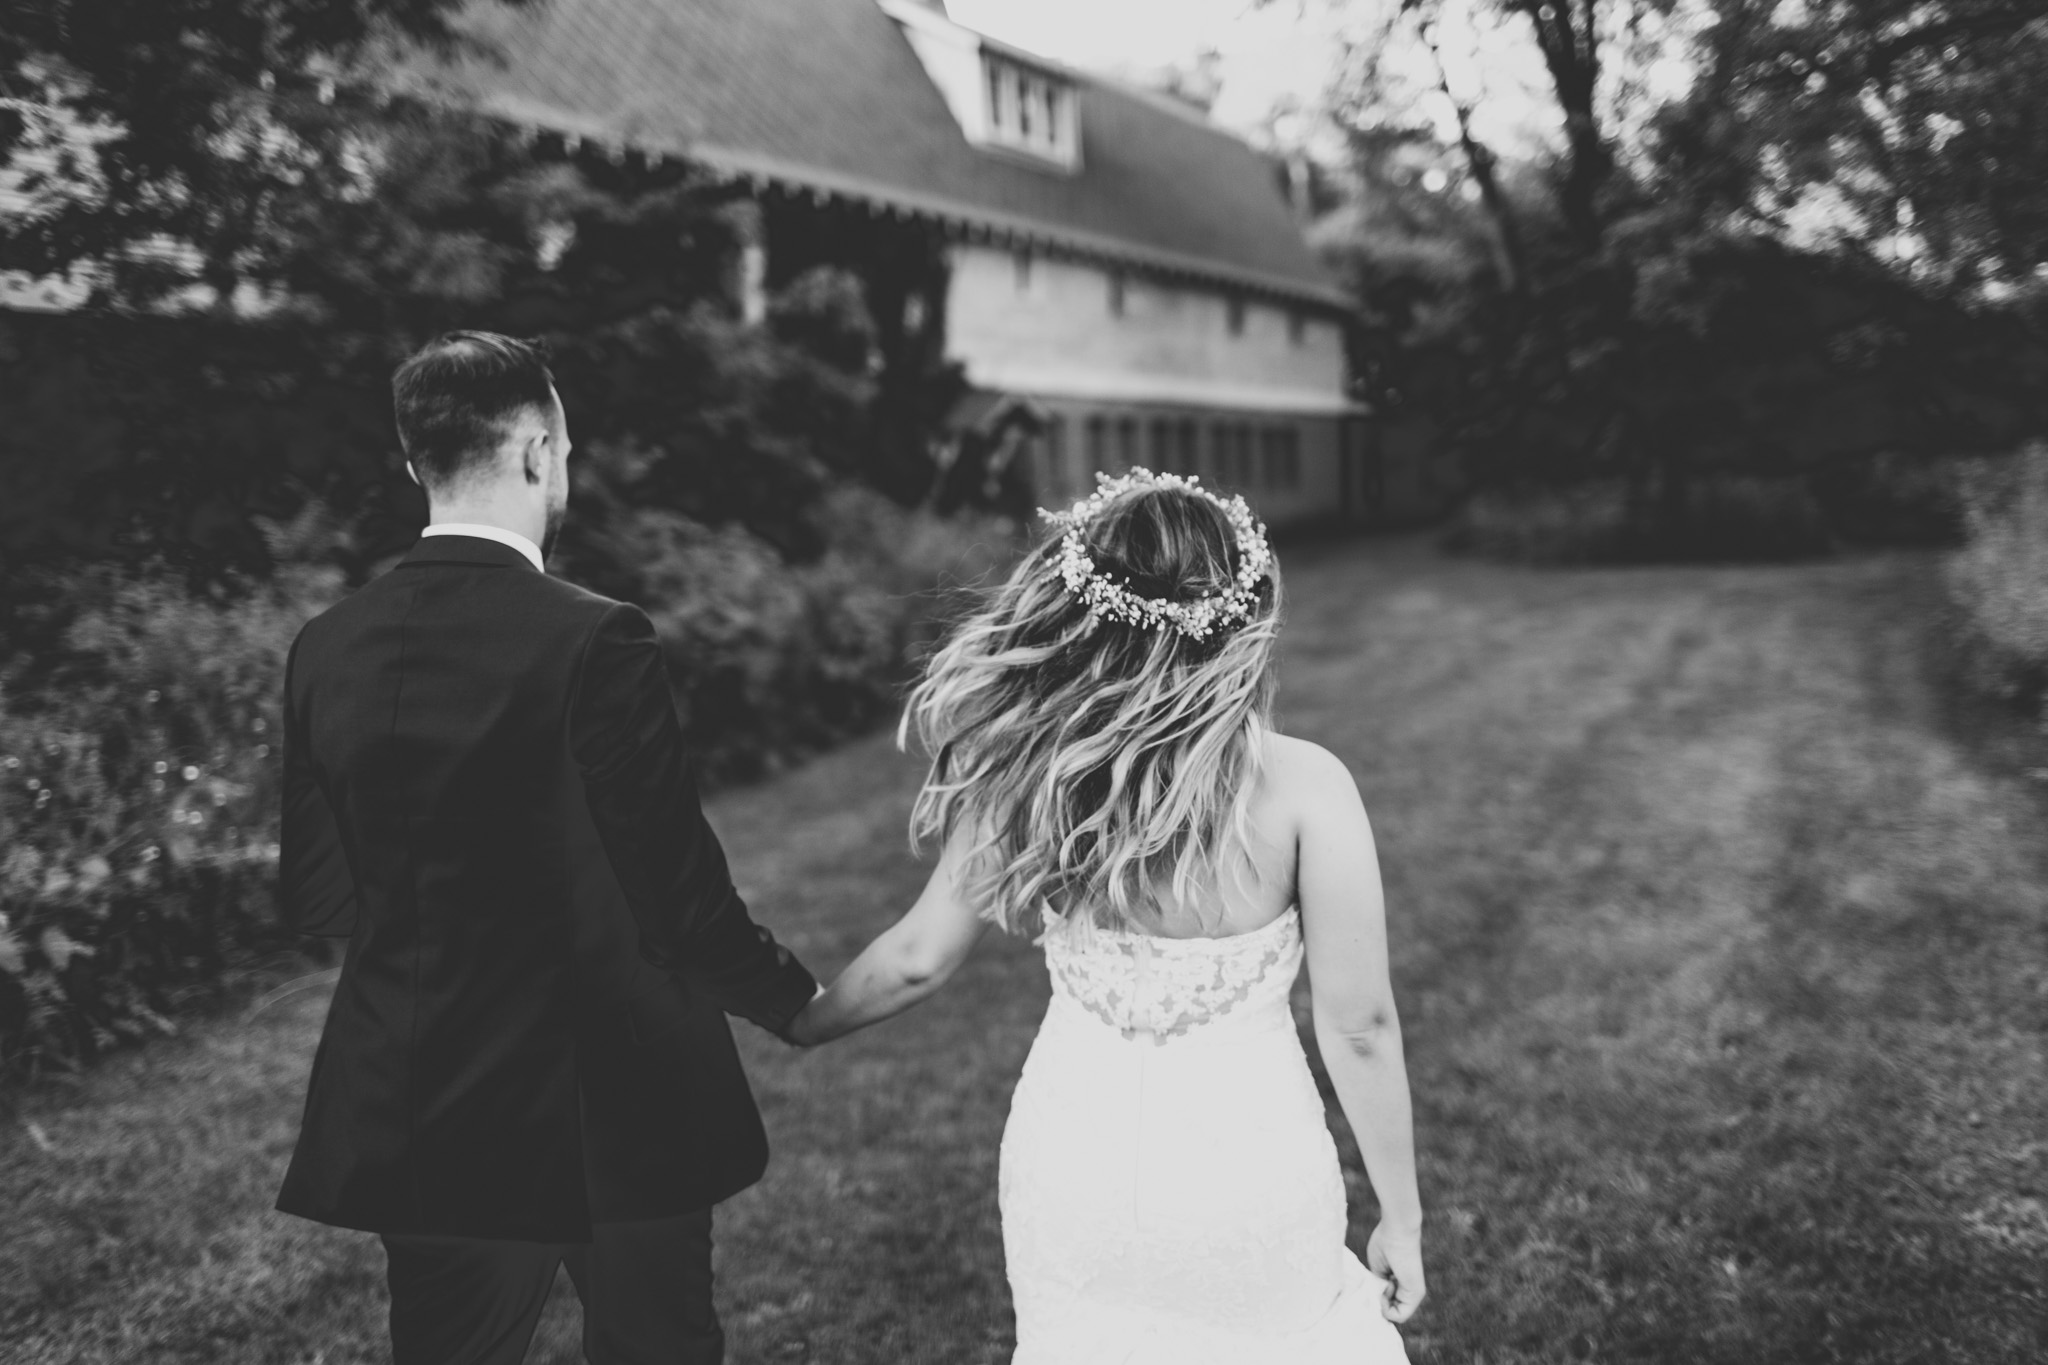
(1164,988)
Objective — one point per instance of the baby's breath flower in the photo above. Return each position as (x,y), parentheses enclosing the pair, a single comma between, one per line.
(1105,597)
(191,773)
(160,767)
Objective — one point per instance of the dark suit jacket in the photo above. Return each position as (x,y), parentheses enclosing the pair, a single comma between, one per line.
(486,794)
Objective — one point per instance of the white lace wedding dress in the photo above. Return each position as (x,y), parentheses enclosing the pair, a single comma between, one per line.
(1170,1190)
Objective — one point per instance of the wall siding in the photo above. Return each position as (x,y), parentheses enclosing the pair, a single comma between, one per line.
(1171,344)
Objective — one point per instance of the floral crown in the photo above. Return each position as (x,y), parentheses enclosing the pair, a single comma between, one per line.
(1106,597)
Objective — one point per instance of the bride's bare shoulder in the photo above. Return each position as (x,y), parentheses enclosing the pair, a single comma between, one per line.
(1301,760)
(1300,773)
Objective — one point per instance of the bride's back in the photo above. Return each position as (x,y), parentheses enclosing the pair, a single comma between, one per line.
(1257,884)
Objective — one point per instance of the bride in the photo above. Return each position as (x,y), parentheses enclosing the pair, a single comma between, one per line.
(1104,774)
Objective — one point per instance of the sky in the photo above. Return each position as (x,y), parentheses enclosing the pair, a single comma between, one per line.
(1268,55)
(1273,56)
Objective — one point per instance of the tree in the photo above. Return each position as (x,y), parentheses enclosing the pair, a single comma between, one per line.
(1916,131)
(1574,41)
(162,139)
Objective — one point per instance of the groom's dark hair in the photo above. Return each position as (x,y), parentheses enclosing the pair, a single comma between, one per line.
(454,396)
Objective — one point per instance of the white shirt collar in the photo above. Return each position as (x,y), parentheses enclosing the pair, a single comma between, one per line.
(482,532)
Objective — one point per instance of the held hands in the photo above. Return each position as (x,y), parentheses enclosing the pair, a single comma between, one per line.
(804,1029)
(1397,1256)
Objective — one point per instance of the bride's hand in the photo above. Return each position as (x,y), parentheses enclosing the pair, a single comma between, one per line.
(1397,1256)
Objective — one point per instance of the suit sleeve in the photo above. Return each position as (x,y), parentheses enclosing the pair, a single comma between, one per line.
(316,890)
(644,803)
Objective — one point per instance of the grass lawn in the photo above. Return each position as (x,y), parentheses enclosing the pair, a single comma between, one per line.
(1721,940)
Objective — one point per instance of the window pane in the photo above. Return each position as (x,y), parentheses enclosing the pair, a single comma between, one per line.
(1098,452)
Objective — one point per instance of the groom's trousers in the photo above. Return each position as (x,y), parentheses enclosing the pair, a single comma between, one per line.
(645,1286)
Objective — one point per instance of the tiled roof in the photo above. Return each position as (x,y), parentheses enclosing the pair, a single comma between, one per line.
(828,94)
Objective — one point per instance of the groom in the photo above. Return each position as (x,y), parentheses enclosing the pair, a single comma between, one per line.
(527,1061)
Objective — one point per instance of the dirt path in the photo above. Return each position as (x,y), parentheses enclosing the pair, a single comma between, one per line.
(1723,963)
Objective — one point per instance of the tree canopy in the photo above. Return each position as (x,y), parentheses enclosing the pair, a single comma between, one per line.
(162,142)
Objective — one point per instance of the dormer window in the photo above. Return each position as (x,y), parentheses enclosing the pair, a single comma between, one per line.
(1029,110)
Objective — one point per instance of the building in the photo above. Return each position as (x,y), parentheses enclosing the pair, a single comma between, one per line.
(1123,282)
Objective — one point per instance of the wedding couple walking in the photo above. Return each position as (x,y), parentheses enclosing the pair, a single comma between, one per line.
(527,1062)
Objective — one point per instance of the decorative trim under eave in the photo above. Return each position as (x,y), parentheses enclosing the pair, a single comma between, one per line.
(761,171)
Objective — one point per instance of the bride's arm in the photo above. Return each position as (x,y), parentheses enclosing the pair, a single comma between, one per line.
(1343,915)
(908,961)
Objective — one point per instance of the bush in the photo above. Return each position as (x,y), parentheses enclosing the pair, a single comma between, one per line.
(1998,581)
(138,806)
(1710,518)
(773,659)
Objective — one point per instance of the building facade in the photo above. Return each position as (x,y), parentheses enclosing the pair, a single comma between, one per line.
(1125,284)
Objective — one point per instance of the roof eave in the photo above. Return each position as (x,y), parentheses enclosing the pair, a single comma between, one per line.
(1024,230)
(739,163)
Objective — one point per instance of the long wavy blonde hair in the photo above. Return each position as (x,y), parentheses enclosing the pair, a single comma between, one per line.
(1088,763)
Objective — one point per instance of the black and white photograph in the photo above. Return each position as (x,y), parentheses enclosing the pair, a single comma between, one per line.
(1023,682)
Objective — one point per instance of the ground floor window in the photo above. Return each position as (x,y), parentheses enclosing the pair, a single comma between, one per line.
(1231,455)
(1234,453)
(1281,458)
(1161,457)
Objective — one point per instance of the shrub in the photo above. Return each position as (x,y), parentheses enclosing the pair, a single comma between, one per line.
(1708,518)
(1571,524)
(1998,581)
(138,807)
(773,659)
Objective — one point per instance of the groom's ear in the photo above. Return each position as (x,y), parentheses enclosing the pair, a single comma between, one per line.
(533,455)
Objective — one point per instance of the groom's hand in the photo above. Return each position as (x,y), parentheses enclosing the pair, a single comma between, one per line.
(801,1031)
(1397,1257)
